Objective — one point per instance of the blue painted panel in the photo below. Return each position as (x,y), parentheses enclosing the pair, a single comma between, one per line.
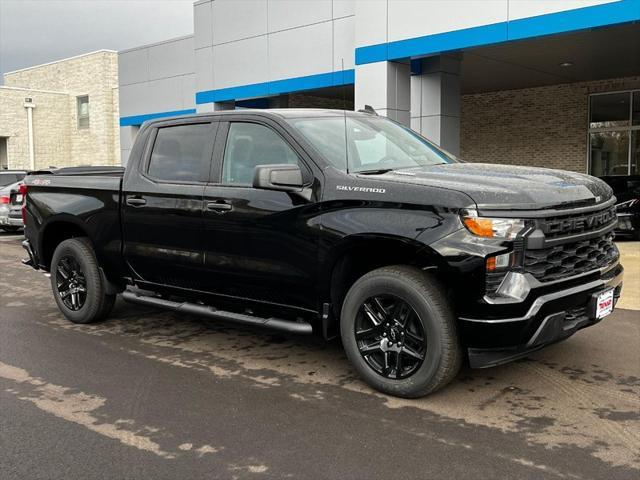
(371,54)
(312,82)
(232,93)
(444,42)
(275,87)
(622,11)
(578,19)
(140,119)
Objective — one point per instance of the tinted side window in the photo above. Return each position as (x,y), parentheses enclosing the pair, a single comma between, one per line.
(181,153)
(249,145)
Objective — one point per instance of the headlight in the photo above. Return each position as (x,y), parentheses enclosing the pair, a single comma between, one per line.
(507,228)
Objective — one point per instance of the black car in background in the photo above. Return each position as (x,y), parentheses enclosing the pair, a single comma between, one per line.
(626,188)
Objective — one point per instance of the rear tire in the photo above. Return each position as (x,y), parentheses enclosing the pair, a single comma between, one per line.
(423,332)
(77,282)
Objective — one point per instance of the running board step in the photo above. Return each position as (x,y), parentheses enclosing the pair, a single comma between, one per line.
(207,311)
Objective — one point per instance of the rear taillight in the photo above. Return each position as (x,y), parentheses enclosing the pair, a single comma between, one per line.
(22,189)
(4,200)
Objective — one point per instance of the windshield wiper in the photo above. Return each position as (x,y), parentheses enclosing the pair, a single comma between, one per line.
(377,171)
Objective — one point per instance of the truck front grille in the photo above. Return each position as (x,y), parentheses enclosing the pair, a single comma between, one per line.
(568,259)
(563,225)
(565,258)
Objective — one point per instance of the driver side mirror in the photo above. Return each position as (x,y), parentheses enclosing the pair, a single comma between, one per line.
(283,177)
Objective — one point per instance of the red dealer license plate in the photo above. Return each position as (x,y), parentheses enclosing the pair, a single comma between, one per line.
(604,303)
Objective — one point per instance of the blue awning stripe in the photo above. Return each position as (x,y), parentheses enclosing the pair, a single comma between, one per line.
(621,11)
(275,87)
(140,119)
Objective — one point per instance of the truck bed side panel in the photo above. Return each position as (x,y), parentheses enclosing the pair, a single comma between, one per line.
(89,202)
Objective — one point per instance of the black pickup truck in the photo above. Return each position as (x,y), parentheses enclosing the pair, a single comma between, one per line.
(337,223)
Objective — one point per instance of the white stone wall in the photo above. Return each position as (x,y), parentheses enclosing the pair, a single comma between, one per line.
(50,125)
(95,75)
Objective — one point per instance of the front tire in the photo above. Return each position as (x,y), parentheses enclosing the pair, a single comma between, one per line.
(77,283)
(399,332)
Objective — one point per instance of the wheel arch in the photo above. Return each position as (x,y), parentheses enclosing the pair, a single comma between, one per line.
(56,230)
(64,227)
(359,254)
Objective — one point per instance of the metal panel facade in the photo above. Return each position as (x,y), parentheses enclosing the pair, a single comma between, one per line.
(251,48)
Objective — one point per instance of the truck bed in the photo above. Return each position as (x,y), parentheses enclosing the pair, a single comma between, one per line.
(86,199)
(76,171)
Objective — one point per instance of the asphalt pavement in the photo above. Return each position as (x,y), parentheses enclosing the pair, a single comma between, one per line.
(151,394)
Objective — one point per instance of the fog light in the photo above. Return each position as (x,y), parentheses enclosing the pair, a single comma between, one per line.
(514,285)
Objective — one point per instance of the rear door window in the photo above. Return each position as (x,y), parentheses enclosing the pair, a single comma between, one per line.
(182,153)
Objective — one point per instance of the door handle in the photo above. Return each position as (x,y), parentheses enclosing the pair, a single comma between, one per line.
(219,207)
(136,201)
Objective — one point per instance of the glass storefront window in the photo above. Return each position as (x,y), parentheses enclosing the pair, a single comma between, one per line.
(635,152)
(609,153)
(614,133)
(610,110)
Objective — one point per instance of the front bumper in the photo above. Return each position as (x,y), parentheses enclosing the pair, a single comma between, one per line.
(552,316)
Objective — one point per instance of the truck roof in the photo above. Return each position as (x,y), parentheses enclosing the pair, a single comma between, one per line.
(274,112)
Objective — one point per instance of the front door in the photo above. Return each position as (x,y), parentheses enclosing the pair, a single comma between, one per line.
(163,204)
(259,244)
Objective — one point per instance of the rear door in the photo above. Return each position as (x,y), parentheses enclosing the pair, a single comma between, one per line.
(259,244)
(163,204)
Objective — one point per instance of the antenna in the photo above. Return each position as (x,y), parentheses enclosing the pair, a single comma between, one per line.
(344,114)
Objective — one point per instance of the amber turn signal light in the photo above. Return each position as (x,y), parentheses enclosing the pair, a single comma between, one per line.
(483,227)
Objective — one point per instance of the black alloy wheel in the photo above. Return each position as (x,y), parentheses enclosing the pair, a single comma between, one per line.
(390,336)
(71,283)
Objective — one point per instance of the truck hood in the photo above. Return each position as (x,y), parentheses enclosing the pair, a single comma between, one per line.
(502,187)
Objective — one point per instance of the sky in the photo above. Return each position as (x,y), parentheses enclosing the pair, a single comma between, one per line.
(41,31)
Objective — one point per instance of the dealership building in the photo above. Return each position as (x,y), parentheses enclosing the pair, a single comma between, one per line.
(553,83)
(61,113)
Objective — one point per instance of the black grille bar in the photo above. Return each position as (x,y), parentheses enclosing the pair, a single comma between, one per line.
(568,259)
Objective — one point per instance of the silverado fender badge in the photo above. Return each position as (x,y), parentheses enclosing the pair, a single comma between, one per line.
(350,188)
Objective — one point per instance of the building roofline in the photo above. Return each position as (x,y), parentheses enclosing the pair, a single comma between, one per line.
(104,50)
(23,89)
(161,42)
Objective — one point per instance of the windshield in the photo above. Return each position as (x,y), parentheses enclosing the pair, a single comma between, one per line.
(374,143)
